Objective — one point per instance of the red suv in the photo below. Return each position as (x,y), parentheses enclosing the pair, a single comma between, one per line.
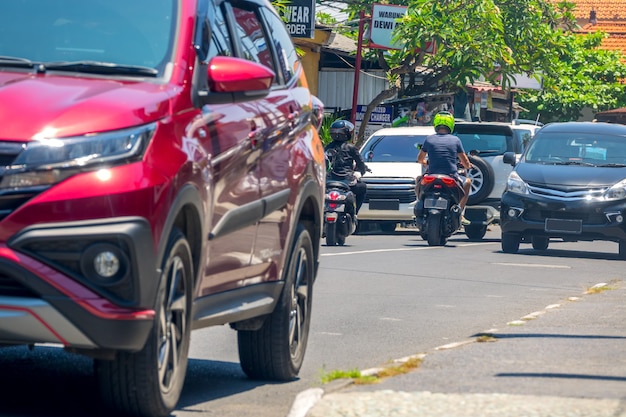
(161,172)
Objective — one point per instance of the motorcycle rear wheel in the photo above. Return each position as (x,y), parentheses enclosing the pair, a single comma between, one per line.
(331,234)
(434,231)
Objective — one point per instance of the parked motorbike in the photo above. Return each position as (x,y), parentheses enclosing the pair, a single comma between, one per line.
(339,212)
(437,210)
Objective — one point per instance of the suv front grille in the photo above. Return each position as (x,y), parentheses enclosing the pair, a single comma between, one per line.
(401,189)
(570,194)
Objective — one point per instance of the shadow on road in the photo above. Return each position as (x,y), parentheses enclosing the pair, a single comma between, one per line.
(48,382)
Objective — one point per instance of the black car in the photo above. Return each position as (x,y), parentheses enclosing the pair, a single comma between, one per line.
(570,184)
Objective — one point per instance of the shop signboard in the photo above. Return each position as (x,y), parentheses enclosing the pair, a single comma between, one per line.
(380,117)
(300,18)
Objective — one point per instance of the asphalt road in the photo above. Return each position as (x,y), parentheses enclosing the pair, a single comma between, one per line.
(378,298)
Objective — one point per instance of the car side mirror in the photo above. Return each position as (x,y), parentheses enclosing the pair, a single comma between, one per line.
(234,80)
(509,158)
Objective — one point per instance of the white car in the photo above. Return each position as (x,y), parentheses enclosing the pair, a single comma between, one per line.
(391,155)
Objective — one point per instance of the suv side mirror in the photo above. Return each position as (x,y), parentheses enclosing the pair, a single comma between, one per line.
(509,158)
(233,80)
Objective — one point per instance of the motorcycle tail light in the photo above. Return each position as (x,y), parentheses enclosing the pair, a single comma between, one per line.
(334,195)
(427,179)
(449,182)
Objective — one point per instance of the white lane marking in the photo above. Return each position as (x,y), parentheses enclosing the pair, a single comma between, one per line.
(400,249)
(534,265)
(390,319)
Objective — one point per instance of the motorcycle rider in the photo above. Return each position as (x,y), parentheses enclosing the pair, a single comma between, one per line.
(345,159)
(443,150)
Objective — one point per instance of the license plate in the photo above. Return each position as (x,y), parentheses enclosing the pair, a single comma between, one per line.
(564,226)
(384,205)
(437,203)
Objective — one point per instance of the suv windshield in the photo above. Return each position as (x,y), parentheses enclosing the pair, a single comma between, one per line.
(95,36)
(578,149)
(392,148)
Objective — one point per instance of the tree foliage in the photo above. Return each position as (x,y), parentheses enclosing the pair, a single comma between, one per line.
(584,76)
(475,39)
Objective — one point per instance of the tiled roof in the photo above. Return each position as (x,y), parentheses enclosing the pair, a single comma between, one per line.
(605,9)
(608,26)
(616,41)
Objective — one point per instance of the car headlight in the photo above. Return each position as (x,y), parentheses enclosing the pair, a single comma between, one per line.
(51,160)
(515,184)
(616,192)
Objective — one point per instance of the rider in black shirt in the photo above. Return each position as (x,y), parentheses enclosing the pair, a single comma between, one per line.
(345,159)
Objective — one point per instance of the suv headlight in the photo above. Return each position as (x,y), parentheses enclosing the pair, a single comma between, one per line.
(617,191)
(48,161)
(515,184)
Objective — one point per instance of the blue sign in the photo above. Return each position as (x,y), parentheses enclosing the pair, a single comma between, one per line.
(380,116)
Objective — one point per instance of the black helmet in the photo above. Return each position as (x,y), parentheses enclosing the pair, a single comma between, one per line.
(341,130)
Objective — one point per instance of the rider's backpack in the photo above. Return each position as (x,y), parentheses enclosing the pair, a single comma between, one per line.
(336,160)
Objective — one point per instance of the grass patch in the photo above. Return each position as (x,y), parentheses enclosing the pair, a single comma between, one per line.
(598,288)
(340,374)
(484,338)
(359,379)
(402,368)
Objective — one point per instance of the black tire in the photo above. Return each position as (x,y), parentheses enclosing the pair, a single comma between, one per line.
(540,242)
(510,242)
(149,382)
(475,232)
(276,351)
(622,250)
(434,230)
(388,227)
(483,180)
(341,240)
(331,234)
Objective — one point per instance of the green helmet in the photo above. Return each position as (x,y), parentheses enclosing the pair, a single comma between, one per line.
(444,118)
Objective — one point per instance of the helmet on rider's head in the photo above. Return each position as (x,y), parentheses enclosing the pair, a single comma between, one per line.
(444,118)
(341,130)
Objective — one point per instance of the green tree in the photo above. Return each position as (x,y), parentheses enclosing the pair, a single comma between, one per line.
(475,39)
(584,76)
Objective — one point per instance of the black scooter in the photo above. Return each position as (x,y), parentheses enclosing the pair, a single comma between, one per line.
(437,210)
(339,213)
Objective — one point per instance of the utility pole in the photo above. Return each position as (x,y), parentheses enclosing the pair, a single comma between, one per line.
(357,68)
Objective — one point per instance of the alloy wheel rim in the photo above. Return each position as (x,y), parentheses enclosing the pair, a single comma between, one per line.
(172,324)
(298,310)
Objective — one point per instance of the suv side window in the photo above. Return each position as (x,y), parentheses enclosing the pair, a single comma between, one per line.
(220,43)
(285,51)
(254,43)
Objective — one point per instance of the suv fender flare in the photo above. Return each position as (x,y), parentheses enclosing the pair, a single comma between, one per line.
(194,230)
(310,214)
